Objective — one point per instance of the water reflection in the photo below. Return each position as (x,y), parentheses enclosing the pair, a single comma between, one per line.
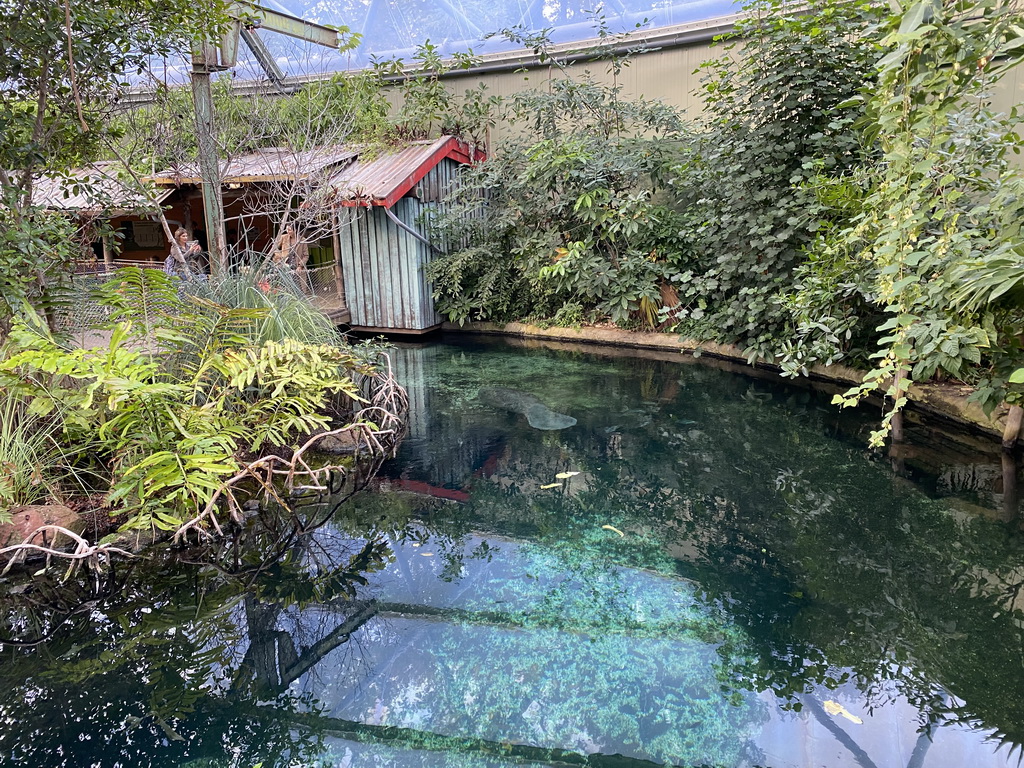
(703,570)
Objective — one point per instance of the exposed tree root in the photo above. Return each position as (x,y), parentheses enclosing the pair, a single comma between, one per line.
(375,433)
(91,554)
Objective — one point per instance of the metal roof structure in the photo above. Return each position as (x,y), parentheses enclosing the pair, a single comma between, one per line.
(264,165)
(353,175)
(92,190)
(384,179)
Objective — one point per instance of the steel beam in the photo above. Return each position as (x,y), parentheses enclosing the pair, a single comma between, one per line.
(254,15)
(263,55)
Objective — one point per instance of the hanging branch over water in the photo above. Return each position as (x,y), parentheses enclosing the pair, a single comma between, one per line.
(374,434)
(91,554)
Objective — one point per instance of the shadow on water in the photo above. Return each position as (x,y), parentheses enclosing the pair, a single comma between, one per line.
(702,570)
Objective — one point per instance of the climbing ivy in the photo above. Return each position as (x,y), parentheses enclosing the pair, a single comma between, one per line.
(945,202)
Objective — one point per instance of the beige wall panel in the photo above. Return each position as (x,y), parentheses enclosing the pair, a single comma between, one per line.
(668,74)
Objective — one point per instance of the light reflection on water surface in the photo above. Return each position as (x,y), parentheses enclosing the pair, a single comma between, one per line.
(728,580)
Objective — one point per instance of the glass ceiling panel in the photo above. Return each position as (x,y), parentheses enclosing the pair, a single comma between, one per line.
(394,28)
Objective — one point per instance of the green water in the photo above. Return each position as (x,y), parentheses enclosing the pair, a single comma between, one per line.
(729,578)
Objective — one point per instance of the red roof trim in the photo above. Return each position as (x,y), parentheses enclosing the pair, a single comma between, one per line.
(453,148)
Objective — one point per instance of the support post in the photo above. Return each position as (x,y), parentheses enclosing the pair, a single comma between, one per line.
(1011,432)
(1010,491)
(209,166)
(108,254)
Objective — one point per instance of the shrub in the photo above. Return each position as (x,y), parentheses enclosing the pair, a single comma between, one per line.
(775,121)
(573,211)
(182,390)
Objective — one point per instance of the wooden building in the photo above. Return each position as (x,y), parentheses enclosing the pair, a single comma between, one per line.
(360,211)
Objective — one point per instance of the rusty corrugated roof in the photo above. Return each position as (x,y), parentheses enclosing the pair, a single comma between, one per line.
(94,189)
(359,176)
(270,164)
(385,178)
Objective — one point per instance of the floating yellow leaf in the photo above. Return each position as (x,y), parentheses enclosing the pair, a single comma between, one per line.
(550,485)
(613,528)
(834,708)
(566,475)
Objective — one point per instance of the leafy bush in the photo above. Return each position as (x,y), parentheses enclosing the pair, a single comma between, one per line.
(179,394)
(942,218)
(573,211)
(36,249)
(776,120)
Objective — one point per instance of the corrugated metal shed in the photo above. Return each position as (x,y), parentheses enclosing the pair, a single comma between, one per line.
(383,245)
(265,165)
(381,198)
(92,190)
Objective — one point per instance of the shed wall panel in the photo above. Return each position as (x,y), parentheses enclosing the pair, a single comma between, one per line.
(384,266)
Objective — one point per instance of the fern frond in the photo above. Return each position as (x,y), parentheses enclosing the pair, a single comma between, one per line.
(147,298)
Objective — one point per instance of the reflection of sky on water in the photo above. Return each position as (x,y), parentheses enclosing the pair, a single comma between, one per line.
(526,648)
(705,474)
(704,569)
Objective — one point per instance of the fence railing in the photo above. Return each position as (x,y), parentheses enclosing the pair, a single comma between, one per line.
(81,311)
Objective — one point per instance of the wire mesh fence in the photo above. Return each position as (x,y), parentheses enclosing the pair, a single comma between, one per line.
(81,312)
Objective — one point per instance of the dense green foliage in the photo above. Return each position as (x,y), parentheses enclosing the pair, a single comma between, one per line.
(603,203)
(184,389)
(942,212)
(847,194)
(774,124)
(573,204)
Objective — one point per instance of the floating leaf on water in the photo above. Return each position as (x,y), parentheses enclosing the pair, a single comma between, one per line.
(550,485)
(566,475)
(171,734)
(834,708)
(613,528)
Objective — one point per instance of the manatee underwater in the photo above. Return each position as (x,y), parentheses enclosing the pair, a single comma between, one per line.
(537,414)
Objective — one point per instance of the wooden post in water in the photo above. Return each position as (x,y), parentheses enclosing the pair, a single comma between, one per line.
(1011,433)
(1010,491)
(1012,429)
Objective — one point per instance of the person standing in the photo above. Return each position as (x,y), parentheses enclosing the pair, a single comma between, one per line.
(182,249)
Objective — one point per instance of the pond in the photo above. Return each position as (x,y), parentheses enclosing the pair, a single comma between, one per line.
(578,558)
